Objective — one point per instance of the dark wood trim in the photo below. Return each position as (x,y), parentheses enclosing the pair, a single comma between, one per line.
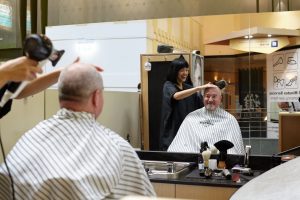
(44,15)
(23,10)
(233,56)
(6,54)
(33,14)
(290,47)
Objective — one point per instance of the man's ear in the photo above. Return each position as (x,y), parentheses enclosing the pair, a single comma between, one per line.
(95,98)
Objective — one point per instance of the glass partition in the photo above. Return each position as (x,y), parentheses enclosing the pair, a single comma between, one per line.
(245,96)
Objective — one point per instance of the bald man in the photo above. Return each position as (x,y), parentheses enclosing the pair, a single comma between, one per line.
(72,156)
(211,124)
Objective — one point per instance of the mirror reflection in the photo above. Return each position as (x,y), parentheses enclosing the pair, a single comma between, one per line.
(247,63)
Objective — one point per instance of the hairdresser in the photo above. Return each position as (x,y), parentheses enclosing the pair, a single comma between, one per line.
(179,99)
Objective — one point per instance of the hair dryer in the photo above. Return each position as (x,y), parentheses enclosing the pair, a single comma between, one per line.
(37,47)
(221,84)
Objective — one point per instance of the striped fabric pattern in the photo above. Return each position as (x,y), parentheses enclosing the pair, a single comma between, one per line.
(70,156)
(210,126)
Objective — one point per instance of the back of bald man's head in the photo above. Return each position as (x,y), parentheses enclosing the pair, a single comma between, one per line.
(78,81)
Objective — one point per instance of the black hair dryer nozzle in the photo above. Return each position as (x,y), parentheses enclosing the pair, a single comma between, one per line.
(39,47)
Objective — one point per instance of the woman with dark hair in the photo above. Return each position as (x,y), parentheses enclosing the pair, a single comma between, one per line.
(179,99)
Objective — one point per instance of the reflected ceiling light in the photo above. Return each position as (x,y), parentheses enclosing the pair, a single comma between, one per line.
(86,48)
(248,36)
(269,35)
(147,65)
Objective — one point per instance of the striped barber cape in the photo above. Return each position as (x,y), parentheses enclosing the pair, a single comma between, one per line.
(71,156)
(210,126)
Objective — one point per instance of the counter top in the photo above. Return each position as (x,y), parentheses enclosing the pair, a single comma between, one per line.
(258,164)
(193,178)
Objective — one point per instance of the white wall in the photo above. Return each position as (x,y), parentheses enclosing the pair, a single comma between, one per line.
(114,46)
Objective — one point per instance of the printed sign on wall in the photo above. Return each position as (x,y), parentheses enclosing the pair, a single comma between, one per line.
(282,85)
(282,76)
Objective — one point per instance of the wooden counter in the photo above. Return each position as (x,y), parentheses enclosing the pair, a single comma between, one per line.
(193,191)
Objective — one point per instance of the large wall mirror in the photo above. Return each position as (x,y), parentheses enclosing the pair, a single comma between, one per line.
(249,95)
(237,51)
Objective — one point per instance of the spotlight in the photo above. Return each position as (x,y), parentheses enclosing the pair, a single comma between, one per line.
(147,66)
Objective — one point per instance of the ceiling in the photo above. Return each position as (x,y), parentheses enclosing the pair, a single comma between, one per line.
(255,32)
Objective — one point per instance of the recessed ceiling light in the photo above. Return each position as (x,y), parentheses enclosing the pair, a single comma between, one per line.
(269,35)
(248,36)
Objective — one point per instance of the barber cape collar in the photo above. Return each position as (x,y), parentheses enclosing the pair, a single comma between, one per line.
(69,114)
(209,118)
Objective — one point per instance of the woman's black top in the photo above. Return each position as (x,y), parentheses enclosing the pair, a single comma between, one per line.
(174,111)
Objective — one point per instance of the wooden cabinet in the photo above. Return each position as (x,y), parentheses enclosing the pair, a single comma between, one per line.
(289,125)
(193,191)
(164,189)
(204,192)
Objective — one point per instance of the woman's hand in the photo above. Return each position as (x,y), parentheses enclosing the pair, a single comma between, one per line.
(20,69)
(208,85)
